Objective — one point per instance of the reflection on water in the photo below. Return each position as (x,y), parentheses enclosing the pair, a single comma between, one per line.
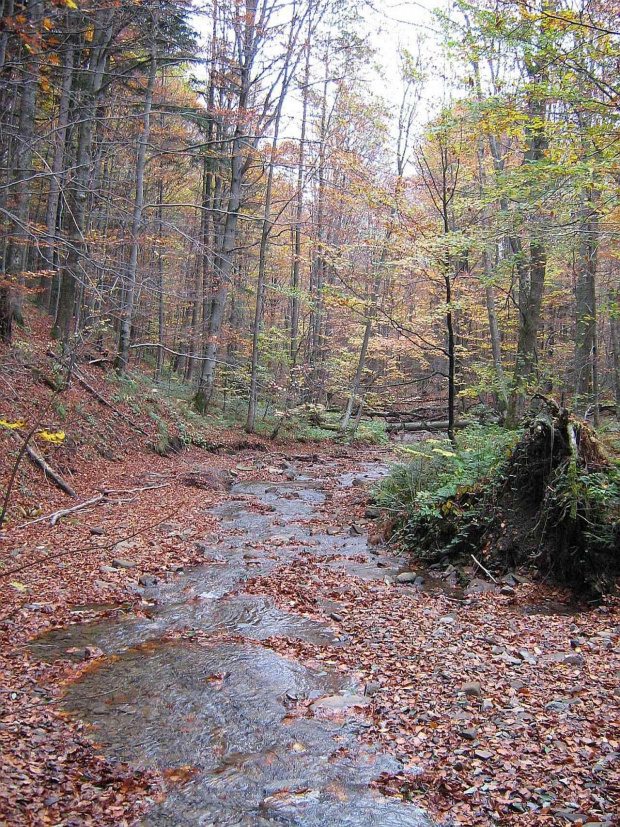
(233,711)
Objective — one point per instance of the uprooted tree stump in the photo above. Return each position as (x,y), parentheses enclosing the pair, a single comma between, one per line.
(553,504)
(560,474)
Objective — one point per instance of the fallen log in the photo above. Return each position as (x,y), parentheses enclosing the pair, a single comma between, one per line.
(47,469)
(435,425)
(101,398)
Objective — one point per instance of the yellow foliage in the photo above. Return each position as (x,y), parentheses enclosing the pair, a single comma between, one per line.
(11,425)
(56,437)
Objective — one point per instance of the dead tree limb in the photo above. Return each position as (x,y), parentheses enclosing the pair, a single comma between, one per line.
(44,466)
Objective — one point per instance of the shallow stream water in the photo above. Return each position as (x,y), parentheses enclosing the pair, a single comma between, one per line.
(222,709)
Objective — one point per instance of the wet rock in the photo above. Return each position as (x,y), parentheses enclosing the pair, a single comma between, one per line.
(372,513)
(526,656)
(208,479)
(472,688)
(558,705)
(97,531)
(339,703)
(123,563)
(147,580)
(510,660)
(573,660)
(419,581)
(356,530)
(406,577)
(478,586)
(100,709)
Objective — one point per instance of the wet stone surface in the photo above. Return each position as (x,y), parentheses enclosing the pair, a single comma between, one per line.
(222,707)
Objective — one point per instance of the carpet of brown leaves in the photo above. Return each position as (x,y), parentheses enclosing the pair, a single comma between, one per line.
(536,743)
(534,739)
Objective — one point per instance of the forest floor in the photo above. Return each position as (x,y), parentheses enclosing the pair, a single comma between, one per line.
(500,708)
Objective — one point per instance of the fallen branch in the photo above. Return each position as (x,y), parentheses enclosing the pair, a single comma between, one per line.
(101,398)
(57,555)
(436,425)
(40,463)
(486,571)
(47,469)
(63,512)
(103,497)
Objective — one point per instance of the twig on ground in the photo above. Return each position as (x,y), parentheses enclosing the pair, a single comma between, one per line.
(486,571)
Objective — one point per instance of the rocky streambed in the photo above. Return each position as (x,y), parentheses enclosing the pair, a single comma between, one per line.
(188,688)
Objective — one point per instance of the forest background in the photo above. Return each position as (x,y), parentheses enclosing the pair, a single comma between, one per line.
(216,196)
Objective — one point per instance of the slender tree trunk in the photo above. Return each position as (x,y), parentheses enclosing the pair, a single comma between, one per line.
(128,309)
(262,261)
(614,325)
(90,83)
(586,390)
(51,216)
(489,291)
(224,260)
(532,268)
(19,229)
(299,210)
(160,280)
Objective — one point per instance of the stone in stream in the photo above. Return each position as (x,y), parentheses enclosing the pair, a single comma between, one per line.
(123,563)
(573,660)
(339,703)
(371,688)
(472,688)
(407,577)
(478,586)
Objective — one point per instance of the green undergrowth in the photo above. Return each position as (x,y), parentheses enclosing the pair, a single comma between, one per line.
(170,404)
(547,496)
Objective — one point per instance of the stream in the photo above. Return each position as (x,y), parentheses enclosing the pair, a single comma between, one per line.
(222,707)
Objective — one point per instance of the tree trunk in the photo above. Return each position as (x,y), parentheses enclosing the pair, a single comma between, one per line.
(586,390)
(614,324)
(128,309)
(21,185)
(299,209)
(90,83)
(224,259)
(51,216)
